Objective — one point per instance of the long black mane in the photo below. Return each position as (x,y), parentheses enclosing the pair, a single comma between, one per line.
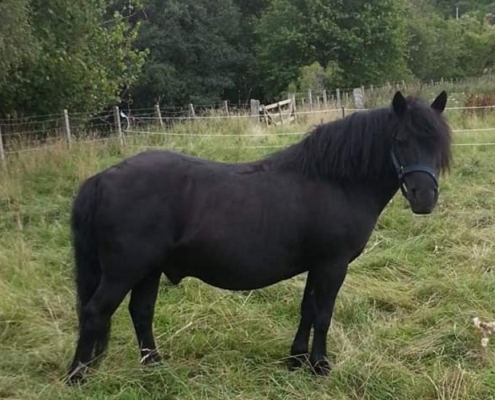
(358,146)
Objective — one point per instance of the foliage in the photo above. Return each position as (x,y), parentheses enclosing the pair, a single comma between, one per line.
(194,51)
(440,47)
(83,61)
(433,44)
(363,39)
(477,55)
(315,77)
(88,55)
(15,35)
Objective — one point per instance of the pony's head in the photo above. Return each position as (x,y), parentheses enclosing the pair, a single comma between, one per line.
(421,148)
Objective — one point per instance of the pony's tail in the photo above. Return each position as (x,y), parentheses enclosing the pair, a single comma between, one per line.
(88,271)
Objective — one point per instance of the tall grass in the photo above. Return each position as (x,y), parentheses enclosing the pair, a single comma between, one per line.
(403,321)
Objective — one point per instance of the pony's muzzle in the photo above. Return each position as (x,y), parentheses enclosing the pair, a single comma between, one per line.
(422,193)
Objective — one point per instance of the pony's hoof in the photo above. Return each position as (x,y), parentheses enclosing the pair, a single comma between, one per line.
(321,367)
(297,361)
(150,358)
(77,375)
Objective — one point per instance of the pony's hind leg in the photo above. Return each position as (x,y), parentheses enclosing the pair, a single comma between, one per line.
(142,308)
(94,325)
(299,351)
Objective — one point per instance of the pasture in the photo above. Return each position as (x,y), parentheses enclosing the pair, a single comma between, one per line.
(402,327)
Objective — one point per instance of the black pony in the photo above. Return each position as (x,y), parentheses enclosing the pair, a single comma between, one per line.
(311,207)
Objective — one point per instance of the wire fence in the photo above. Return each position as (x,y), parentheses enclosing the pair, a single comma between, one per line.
(20,135)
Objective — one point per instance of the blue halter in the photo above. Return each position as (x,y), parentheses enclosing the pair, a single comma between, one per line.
(403,171)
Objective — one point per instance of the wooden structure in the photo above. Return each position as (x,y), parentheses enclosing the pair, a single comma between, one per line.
(280,113)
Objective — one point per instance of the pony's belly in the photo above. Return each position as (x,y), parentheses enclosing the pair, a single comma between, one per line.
(240,275)
(239,281)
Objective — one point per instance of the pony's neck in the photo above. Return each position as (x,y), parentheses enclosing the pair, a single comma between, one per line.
(374,195)
(356,148)
(353,152)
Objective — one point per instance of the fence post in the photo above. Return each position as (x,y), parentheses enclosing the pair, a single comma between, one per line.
(293,105)
(118,127)
(339,102)
(158,113)
(67,128)
(2,150)
(192,113)
(310,100)
(325,99)
(343,112)
(280,114)
(255,110)
(226,107)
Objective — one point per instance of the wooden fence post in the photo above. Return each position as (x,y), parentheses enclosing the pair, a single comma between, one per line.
(339,102)
(280,114)
(2,150)
(226,107)
(192,113)
(310,100)
(118,127)
(325,99)
(293,105)
(255,110)
(67,128)
(158,113)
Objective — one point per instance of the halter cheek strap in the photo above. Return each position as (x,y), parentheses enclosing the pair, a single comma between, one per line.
(403,171)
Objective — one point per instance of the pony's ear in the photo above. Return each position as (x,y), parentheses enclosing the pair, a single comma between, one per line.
(399,104)
(440,102)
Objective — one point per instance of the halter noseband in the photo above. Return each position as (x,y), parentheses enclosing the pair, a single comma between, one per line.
(403,171)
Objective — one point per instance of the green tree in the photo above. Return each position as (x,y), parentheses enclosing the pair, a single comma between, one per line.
(83,62)
(194,51)
(316,78)
(433,43)
(15,35)
(477,45)
(448,47)
(448,7)
(365,40)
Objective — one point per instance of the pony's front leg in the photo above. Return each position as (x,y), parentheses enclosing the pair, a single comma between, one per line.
(299,351)
(327,282)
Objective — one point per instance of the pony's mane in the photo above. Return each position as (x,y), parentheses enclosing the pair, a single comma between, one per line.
(358,146)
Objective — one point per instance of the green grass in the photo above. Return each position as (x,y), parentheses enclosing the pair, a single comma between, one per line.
(403,322)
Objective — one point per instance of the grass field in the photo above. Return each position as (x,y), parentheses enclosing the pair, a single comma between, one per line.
(403,322)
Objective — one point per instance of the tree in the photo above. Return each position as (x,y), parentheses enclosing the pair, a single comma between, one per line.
(16,41)
(433,43)
(83,61)
(477,46)
(446,47)
(365,40)
(194,51)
